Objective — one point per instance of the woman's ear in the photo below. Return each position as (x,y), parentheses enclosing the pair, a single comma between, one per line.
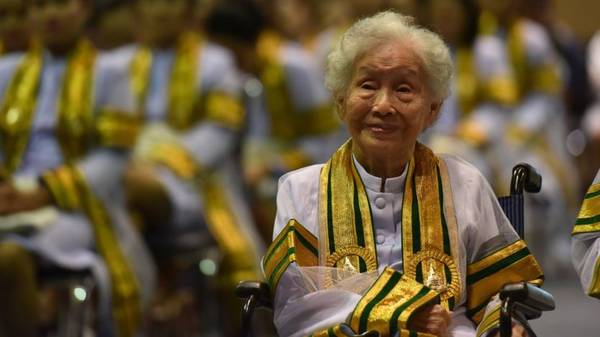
(434,113)
(339,106)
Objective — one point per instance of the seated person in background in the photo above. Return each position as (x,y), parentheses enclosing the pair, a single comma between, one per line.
(291,120)
(386,235)
(65,127)
(586,241)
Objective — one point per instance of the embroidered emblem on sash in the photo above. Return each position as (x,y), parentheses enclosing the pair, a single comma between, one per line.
(431,256)
(343,255)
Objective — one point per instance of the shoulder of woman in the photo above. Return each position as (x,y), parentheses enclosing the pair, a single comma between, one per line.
(463,175)
(301,181)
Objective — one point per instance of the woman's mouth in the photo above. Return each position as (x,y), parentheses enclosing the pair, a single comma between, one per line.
(382,128)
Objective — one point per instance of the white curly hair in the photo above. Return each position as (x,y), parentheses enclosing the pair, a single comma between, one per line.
(385,27)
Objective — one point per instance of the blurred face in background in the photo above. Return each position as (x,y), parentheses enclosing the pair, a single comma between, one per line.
(160,22)
(501,9)
(363,8)
(14,25)
(406,7)
(293,17)
(452,30)
(114,28)
(59,23)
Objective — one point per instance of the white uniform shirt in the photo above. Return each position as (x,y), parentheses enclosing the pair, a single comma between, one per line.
(482,227)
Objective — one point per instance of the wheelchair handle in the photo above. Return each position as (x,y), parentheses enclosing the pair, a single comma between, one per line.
(525,177)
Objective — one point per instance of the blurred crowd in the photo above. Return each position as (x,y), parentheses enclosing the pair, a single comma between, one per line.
(141,141)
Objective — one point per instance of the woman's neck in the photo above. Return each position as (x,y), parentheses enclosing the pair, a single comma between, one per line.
(386,165)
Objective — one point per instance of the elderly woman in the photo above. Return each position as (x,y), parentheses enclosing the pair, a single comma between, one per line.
(388,236)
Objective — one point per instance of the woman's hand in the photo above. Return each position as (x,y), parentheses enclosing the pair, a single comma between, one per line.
(433,319)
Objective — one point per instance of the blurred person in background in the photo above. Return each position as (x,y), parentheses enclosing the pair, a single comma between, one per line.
(290,113)
(447,135)
(586,240)
(577,94)
(15,31)
(111,25)
(521,69)
(590,123)
(65,127)
(185,179)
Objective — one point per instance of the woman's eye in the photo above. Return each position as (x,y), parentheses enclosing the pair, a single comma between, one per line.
(367,86)
(404,89)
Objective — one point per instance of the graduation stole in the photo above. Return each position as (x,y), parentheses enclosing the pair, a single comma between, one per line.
(185,106)
(588,221)
(75,117)
(182,82)
(428,224)
(288,124)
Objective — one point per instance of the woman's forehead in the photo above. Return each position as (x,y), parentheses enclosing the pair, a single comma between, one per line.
(394,55)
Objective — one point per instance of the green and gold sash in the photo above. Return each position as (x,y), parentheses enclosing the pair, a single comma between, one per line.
(287,122)
(588,221)
(428,223)
(75,126)
(185,106)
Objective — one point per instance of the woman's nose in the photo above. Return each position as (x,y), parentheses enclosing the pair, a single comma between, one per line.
(383,103)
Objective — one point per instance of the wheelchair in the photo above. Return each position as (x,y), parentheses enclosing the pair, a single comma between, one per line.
(74,290)
(521,301)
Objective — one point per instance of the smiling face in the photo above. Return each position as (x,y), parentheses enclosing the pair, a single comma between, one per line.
(387,105)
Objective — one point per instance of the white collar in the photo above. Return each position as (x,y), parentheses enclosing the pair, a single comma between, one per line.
(373,183)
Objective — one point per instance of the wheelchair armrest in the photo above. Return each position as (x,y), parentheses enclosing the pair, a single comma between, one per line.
(528,295)
(259,291)
(524,301)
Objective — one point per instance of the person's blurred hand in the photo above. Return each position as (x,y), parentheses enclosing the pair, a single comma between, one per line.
(146,195)
(15,201)
(517,331)
(433,319)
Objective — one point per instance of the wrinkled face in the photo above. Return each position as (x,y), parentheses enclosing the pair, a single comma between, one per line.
(161,21)
(388,102)
(59,22)
(13,24)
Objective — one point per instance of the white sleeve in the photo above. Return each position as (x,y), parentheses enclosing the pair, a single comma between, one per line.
(209,143)
(298,312)
(586,254)
(585,249)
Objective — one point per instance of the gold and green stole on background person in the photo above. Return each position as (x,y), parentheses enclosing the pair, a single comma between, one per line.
(288,124)
(185,106)
(588,221)
(76,129)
